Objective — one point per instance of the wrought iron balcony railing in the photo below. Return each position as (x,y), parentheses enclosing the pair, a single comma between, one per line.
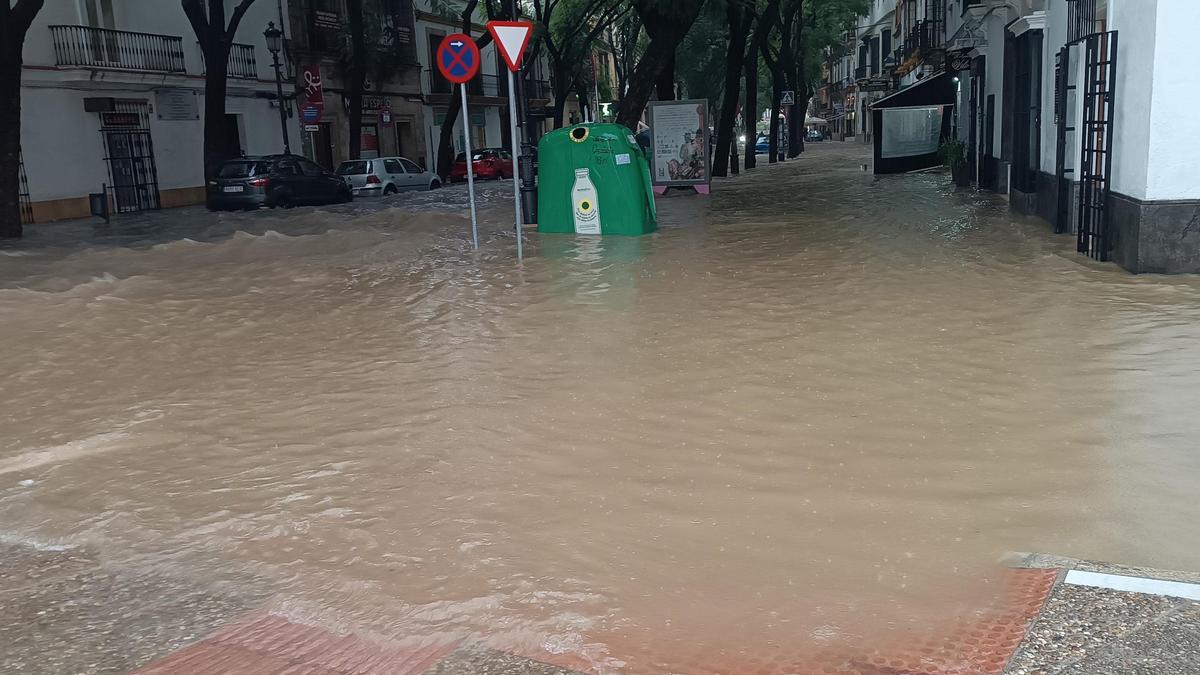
(90,47)
(242,64)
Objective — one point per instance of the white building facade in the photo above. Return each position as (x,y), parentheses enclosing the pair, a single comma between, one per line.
(112,93)
(1073,109)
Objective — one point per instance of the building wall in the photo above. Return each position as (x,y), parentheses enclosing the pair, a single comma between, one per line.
(1174,144)
(1137,71)
(63,145)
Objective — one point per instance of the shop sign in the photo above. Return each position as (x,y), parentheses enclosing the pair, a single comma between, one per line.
(120,119)
(326,20)
(374,104)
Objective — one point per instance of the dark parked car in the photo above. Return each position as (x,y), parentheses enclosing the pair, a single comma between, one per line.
(274,180)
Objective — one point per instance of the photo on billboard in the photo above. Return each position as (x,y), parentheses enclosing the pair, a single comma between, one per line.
(679,143)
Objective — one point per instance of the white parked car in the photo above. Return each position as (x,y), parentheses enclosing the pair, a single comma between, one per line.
(386,176)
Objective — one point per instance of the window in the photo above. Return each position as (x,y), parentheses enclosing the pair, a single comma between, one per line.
(410,167)
(98,13)
(392,166)
(353,168)
(242,169)
(287,167)
(310,169)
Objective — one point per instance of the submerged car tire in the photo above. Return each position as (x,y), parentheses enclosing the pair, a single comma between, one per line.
(283,200)
(435,184)
(390,190)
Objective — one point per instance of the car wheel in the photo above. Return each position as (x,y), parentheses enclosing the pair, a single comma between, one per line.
(346,197)
(283,200)
(435,184)
(389,190)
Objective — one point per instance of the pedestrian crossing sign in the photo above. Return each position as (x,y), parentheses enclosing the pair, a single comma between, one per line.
(789,98)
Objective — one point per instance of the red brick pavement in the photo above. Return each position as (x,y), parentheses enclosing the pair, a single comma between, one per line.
(983,644)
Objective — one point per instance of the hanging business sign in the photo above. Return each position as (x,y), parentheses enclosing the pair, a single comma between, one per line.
(679,143)
(312,98)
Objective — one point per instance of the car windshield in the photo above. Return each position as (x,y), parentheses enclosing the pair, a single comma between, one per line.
(244,169)
(462,157)
(479,155)
(353,168)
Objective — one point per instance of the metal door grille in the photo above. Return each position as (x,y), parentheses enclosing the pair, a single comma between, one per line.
(129,152)
(1062,118)
(24,203)
(1100,66)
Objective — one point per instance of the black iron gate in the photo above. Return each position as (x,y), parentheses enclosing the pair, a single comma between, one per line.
(24,203)
(129,151)
(1100,67)
(1062,118)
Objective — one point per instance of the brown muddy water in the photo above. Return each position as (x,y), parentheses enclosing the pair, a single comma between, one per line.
(818,406)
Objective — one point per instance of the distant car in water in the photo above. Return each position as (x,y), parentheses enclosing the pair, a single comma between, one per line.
(494,163)
(274,180)
(762,144)
(386,176)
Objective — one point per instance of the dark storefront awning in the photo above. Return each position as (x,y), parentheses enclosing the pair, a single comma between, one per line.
(911,123)
(937,90)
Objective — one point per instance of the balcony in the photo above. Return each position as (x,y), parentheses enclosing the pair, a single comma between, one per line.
(241,65)
(860,73)
(87,47)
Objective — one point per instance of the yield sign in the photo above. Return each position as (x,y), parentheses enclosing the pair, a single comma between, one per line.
(511,39)
(458,58)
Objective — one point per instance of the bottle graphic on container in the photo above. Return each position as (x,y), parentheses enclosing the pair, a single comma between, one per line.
(587,207)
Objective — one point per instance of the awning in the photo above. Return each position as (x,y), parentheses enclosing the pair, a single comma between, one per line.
(937,90)
(813,120)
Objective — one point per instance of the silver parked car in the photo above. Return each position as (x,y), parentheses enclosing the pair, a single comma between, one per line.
(386,176)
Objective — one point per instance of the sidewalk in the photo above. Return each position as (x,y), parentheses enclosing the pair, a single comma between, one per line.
(67,612)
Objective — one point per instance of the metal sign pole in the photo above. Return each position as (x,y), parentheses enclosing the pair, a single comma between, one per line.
(470,168)
(512,118)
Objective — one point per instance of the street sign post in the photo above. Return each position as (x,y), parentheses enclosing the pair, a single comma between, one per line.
(511,39)
(458,61)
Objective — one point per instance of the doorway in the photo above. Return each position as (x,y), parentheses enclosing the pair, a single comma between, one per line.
(129,152)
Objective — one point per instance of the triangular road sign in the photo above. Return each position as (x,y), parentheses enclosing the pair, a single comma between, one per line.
(788,98)
(511,39)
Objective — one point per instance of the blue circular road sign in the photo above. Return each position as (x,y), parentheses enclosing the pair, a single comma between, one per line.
(458,58)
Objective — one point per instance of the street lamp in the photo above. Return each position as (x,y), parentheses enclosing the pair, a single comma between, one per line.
(274,38)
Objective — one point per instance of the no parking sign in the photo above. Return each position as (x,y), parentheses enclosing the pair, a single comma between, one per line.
(458,58)
(458,61)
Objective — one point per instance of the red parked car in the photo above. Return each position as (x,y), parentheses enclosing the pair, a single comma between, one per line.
(494,163)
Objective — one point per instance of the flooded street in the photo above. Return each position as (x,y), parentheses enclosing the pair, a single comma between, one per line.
(817,406)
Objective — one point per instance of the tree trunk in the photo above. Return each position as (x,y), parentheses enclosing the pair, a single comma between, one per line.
(358,75)
(10,141)
(774,139)
(666,31)
(739,26)
(14,24)
(750,109)
(216,136)
(800,89)
(664,84)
